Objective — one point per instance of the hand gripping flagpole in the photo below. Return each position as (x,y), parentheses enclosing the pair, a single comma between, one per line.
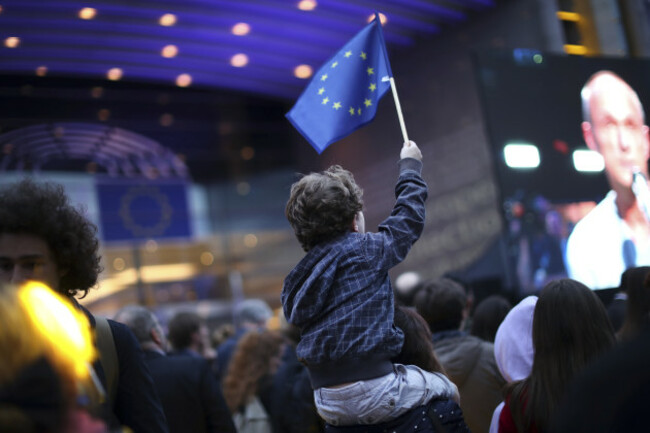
(393,87)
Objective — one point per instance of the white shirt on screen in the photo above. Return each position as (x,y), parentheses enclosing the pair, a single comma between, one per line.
(600,247)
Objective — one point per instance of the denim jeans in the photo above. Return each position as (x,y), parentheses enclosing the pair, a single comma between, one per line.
(383,398)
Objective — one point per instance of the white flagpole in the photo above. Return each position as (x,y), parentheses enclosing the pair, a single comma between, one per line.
(402,125)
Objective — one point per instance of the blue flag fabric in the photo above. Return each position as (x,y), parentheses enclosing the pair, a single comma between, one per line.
(344,93)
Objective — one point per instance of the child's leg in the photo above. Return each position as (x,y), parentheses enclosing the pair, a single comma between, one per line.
(382,399)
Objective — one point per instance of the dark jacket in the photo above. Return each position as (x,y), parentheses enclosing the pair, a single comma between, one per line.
(340,297)
(471,365)
(190,394)
(136,403)
(437,416)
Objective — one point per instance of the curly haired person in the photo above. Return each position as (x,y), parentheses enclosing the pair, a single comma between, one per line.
(44,238)
(340,297)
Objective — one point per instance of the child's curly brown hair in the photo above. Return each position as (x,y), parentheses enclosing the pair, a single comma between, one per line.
(323,205)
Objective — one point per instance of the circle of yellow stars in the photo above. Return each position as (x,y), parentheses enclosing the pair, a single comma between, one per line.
(337,105)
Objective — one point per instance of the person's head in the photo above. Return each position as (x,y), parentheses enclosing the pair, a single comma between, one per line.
(614,125)
(513,343)
(187,331)
(145,326)
(488,315)
(418,347)
(636,283)
(443,304)
(570,329)
(252,313)
(325,205)
(44,238)
(256,356)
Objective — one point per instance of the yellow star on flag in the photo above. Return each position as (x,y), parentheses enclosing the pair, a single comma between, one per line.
(323,77)
(326,100)
(347,54)
(359,111)
(363,55)
(367,102)
(372,87)
(351,111)
(370,71)
(335,64)
(321,90)
(336,105)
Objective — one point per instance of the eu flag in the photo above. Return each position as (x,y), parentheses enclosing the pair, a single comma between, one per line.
(344,93)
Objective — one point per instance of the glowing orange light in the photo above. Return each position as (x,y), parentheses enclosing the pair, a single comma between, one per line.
(41,71)
(114,74)
(307,5)
(239,60)
(183,80)
(66,328)
(12,42)
(241,29)
(382,18)
(169,51)
(167,20)
(303,71)
(87,13)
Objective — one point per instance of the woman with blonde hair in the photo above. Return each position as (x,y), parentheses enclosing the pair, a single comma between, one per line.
(255,361)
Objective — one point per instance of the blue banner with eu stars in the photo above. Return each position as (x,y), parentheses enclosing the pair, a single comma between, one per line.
(132,209)
(343,95)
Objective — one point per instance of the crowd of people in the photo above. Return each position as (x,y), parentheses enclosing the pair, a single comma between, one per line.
(352,355)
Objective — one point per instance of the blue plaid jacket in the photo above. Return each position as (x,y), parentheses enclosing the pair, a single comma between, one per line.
(340,295)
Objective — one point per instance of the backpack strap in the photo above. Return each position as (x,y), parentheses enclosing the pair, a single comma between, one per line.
(107,357)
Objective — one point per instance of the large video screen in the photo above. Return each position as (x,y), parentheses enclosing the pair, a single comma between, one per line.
(563,199)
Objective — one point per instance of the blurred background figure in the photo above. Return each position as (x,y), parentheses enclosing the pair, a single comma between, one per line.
(488,315)
(250,315)
(406,286)
(468,360)
(189,392)
(570,330)
(248,383)
(188,335)
(46,382)
(292,408)
(513,347)
(636,286)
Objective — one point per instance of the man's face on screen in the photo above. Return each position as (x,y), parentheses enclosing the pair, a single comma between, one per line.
(618,131)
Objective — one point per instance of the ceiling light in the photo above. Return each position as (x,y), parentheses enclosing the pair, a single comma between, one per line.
(114,74)
(41,71)
(103,114)
(87,13)
(169,51)
(167,20)
(96,92)
(250,240)
(207,258)
(247,153)
(239,60)
(303,71)
(382,18)
(166,120)
(586,160)
(241,29)
(12,42)
(521,155)
(183,80)
(307,5)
